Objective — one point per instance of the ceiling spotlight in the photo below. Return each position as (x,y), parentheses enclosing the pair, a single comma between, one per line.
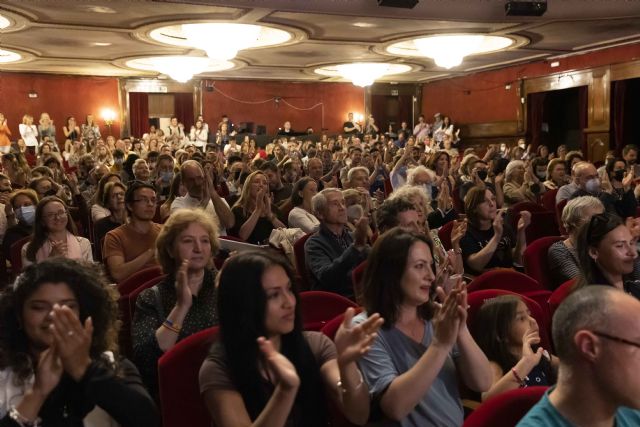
(7,56)
(363,73)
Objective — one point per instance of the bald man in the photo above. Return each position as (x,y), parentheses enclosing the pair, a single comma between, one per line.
(596,332)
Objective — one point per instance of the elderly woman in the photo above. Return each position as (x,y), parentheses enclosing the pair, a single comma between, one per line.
(184,303)
(301,215)
(521,185)
(556,174)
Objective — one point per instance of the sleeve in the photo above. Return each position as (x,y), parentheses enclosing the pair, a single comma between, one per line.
(146,350)
(377,368)
(239,220)
(298,219)
(85,249)
(321,346)
(561,265)
(331,272)
(23,255)
(112,246)
(468,245)
(627,205)
(122,396)
(214,374)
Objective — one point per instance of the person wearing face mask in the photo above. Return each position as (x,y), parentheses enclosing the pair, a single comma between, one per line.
(21,212)
(616,170)
(118,161)
(163,175)
(621,203)
(539,167)
(521,184)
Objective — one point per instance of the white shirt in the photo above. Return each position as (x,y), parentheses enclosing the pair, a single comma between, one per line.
(300,218)
(188,202)
(29,134)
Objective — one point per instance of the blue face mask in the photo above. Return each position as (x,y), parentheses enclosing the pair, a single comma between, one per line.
(166,176)
(27,214)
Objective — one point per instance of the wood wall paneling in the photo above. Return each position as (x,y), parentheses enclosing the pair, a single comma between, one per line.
(626,70)
(161,105)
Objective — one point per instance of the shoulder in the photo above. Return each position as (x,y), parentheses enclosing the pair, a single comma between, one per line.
(558,248)
(321,346)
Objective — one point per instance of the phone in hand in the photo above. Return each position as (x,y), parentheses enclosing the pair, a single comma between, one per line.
(636,171)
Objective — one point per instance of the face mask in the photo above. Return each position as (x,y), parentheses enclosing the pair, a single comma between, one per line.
(27,214)
(482,174)
(166,176)
(618,175)
(354,212)
(522,145)
(592,186)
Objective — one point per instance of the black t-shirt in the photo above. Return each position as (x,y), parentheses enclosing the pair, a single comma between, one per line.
(262,230)
(349,125)
(476,239)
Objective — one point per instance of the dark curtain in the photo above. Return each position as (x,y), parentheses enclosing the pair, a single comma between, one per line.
(618,93)
(583,111)
(139,113)
(535,117)
(183,109)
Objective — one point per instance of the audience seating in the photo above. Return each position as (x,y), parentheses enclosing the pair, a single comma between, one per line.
(560,294)
(506,409)
(178,369)
(549,200)
(476,299)
(506,279)
(138,278)
(543,224)
(357,275)
(535,259)
(331,327)
(15,255)
(559,207)
(445,235)
(301,265)
(318,307)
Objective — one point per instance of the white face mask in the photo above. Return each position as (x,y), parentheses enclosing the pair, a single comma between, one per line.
(592,186)
(354,212)
(26,214)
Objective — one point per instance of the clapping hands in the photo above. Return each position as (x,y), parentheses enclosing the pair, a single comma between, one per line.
(354,341)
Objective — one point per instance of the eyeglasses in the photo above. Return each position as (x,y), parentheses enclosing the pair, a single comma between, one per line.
(117,195)
(146,201)
(614,338)
(56,215)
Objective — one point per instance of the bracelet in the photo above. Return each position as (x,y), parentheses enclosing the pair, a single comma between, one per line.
(345,390)
(458,251)
(519,380)
(22,420)
(170,326)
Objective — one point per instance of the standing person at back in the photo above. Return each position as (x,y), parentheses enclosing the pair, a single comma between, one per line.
(130,247)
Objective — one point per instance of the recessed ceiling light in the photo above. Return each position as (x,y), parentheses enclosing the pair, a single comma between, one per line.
(179,68)
(7,56)
(363,24)
(4,22)
(101,44)
(363,73)
(96,9)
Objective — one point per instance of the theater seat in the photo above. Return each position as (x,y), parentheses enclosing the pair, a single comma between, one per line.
(178,370)
(138,278)
(506,279)
(549,200)
(301,265)
(357,275)
(560,294)
(318,307)
(15,255)
(445,235)
(535,260)
(506,409)
(559,207)
(331,327)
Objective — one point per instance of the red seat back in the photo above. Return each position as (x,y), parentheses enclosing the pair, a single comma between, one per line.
(357,274)
(549,200)
(560,294)
(535,259)
(134,281)
(505,409)
(526,206)
(559,207)
(318,307)
(301,265)
(445,235)
(506,279)
(543,224)
(478,298)
(15,255)
(331,327)
(178,371)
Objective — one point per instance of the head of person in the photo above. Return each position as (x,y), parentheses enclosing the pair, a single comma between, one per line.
(616,168)
(417,197)
(164,167)
(118,157)
(586,177)
(499,327)
(45,119)
(27,119)
(440,161)
(193,178)
(270,169)
(25,310)
(40,172)
(542,151)
(480,205)
(630,154)
(397,212)
(188,234)
(174,121)
(5,184)
(561,151)
(141,200)
(556,171)
(606,249)
(481,169)
(358,177)
(330,207)
(52,216)
(514,171)
(303,191)
(111,177)
(24,204)
(257,298)
(44,186)
(254,183)
(467,163)
(355,154)
(314,168)
(141,170)
(400,272)
(573,157)
(594,332)
(539,166)
(113,196)
(579,211)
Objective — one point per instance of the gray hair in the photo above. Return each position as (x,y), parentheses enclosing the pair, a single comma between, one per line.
(586,308)
(411,174)
(408,192)
(138,162)
(319,201)
(353,170)
(511,166)
(573,213)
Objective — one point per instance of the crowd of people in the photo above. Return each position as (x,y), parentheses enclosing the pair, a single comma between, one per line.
(80,213)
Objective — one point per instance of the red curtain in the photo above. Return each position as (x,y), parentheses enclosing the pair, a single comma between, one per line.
(139,113)
(617,114)
(183,109)
(535,117)
(583,111)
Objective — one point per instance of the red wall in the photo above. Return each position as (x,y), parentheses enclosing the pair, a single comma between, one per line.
(338,99)
(482,97)
(60,96)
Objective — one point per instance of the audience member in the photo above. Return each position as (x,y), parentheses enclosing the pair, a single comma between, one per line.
(113,199)
(301,216)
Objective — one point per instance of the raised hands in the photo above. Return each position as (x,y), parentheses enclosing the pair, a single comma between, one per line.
(58,248)
(184,298)
(72,340)
(285,374)
(498,223)
(628,179)
(451,315)
(524,221)
(457,232)
(48,372)
(531,337)
(352,342)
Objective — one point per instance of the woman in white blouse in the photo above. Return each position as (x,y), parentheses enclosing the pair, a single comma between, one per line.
(29,132)
(301,215)
(199,134)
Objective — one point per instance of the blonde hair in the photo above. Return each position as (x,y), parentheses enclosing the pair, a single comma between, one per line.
(244,199)
(179,221)
(573,213)
(25,118)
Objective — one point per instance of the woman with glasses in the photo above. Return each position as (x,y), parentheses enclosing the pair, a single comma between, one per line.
(112,199)
(54,235)
(607,254)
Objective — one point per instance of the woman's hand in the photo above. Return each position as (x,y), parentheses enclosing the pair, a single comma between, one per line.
(354,341)
(72,340)
(260,202)
(628,179)
(498,224)
(446,322)
(286,376)
(48,372)
(58,248)
(457,232)
(266,206)
(524,221)
(531,337)
(184,298)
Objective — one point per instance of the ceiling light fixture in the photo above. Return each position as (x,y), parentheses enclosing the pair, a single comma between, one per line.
(7,56)
(448,50)
(363,73)
(4,22)
(101,44)
(179,68)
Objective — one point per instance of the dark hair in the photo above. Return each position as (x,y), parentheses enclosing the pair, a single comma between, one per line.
(500,165)
(387,213)
(241,306)
(385,267)
(473,198)
(127,166)
(296,198)
(629,147)
(433,162)
(611,163)
(268,166)
(95,298)
(118,153)
(134,186)
(589,236)
(99,196)
(108,188)
(40,233)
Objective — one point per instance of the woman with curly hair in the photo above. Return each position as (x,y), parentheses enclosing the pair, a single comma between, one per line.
(59,361)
